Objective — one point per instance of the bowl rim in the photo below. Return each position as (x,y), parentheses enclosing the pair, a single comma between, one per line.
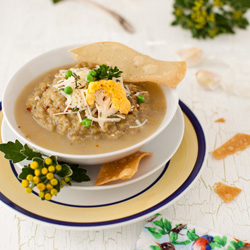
(161,127)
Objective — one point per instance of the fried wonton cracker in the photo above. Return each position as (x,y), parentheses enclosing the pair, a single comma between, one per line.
(226,192)
(120,169)
(136,67)
(237,143)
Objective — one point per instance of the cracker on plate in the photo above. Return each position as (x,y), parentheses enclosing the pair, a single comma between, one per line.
(226,192)
(136,67)
(237,143)
(120,169)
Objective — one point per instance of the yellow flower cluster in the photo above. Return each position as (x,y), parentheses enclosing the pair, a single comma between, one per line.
(210,18)
(218,3)
(200,16)
(178,12)
(198,5)
(213,32)
(44,179)
(237,14)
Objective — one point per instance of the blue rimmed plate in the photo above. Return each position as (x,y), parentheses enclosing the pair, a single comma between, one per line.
(166,186)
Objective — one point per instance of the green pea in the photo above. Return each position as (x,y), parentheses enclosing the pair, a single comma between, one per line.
(89,78)
(92,73)
(68,90)
(68,74)
(140,99)
(86,122)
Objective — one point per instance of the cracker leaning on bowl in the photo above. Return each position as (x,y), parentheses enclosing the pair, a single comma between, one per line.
(121,169)
(136,67)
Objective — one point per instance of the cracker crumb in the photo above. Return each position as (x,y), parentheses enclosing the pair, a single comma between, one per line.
(220,120)
(227,193)
(237,143)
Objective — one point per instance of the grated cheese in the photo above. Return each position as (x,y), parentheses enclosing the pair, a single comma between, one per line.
(142,92)
(139,124)
(77,99)
(127,90)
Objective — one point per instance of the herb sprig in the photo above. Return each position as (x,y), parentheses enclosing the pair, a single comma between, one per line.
(104,72)
(206,18)
(45,173)
(77,78)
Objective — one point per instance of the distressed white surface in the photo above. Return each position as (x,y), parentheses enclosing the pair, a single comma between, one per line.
(29,28)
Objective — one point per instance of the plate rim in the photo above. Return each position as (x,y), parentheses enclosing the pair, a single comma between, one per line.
(194,175)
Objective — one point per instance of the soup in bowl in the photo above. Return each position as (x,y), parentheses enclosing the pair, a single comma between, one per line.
(64,108)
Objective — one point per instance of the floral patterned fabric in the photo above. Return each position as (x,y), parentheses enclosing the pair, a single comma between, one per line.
(161,234)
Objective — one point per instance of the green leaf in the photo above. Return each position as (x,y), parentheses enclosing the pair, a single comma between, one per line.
(218,240)
(230,248)
(57,187)
(40,162)
(155,247)
(30,153)
(66,171)
(190,235)
(106,72)
(244,3)
(217,244)
(157,214)
(79,174)
(212,245)
(12,151)
(56,1)
(153,232)
(159,223)
(235,244)
(195,236)
(26,170)
(167,225)
(224,241)
(162,231)
(54,159)
(241,243)
(173,237)
(185,242)
(175,22)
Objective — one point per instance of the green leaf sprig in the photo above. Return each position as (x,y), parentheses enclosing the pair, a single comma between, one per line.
(165,228)
(206,18)
(45,173)
(103,72)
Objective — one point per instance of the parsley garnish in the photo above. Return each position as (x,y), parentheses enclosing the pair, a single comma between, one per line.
(107,72)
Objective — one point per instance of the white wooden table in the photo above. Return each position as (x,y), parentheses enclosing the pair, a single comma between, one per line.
(28,28)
